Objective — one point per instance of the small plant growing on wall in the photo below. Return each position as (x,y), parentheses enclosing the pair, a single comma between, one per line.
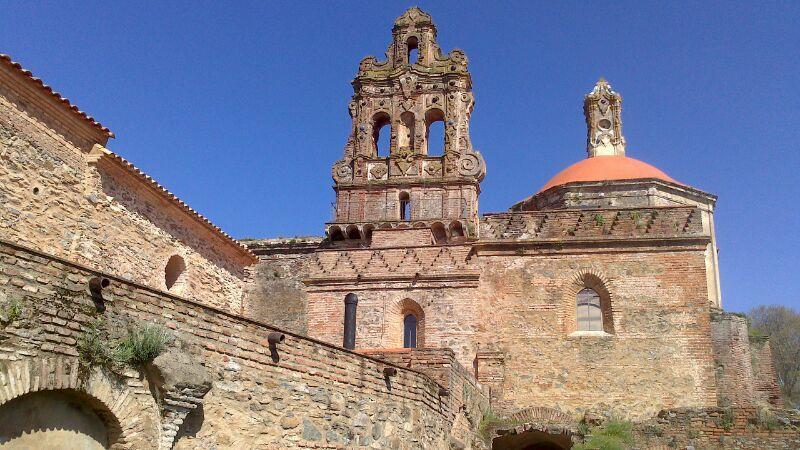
(141,344)
(488,420)
(94,346)
(613,435)
(11,311)
(599,220)
(726,419)
(766,419)
(637,219)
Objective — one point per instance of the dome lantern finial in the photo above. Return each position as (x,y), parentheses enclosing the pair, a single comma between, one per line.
(603,111)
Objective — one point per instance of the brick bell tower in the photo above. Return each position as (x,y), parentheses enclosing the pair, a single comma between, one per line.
(409,187)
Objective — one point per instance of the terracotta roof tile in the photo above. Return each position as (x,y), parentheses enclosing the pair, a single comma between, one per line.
(49,90)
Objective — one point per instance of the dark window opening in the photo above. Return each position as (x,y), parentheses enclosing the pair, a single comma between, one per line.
(336,234)
(410,331)
(405,206)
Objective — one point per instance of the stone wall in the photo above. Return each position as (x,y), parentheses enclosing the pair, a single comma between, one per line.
(276,294)
(104,214)
(304,394)
(740,428)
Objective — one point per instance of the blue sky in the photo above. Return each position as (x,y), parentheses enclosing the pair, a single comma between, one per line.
(241,108)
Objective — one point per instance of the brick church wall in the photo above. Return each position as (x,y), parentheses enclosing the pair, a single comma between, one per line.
(54,200)
(315,395)
(515,307)
(659,354)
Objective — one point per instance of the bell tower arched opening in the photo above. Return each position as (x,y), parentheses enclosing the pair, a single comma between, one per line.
(381,134)
(413,50)
(434,132)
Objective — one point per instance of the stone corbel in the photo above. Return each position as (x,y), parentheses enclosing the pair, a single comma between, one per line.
(181,383)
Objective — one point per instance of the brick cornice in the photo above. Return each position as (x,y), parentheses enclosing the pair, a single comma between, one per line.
(419,277)
(637,244)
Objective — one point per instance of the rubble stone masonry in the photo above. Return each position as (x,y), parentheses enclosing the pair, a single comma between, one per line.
(304,394)
(61,200)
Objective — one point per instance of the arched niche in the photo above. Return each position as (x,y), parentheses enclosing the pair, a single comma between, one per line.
(405,130)
(381,134)
(439,233)
(335,233)
(353,233)
(174,274)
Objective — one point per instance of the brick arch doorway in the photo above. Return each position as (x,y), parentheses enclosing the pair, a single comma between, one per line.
(532,440)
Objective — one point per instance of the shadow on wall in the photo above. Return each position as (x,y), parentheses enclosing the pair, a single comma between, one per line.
(532,440)
(53,419)
(191,424)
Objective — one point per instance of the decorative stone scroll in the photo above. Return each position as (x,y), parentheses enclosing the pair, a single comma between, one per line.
(342,172)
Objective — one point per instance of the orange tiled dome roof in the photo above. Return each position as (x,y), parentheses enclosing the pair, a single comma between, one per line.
(606,168)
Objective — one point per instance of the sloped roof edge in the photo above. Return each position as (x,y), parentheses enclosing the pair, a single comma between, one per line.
(6,59)
(99,152)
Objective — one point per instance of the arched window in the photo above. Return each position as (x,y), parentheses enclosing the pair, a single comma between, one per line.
(172,272)
(589,310)
(434,130)
(353,232)
(381,134)
(413,50)
(410,331)
(456,229)
(405,206)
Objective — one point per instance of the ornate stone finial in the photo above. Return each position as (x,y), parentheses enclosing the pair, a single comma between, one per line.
(603,111)
(414,16)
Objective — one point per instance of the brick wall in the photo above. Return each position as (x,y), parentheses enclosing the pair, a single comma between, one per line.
(401,237)
(516,303)
(734,371)
(657,354)
(316,395)
(765,381)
